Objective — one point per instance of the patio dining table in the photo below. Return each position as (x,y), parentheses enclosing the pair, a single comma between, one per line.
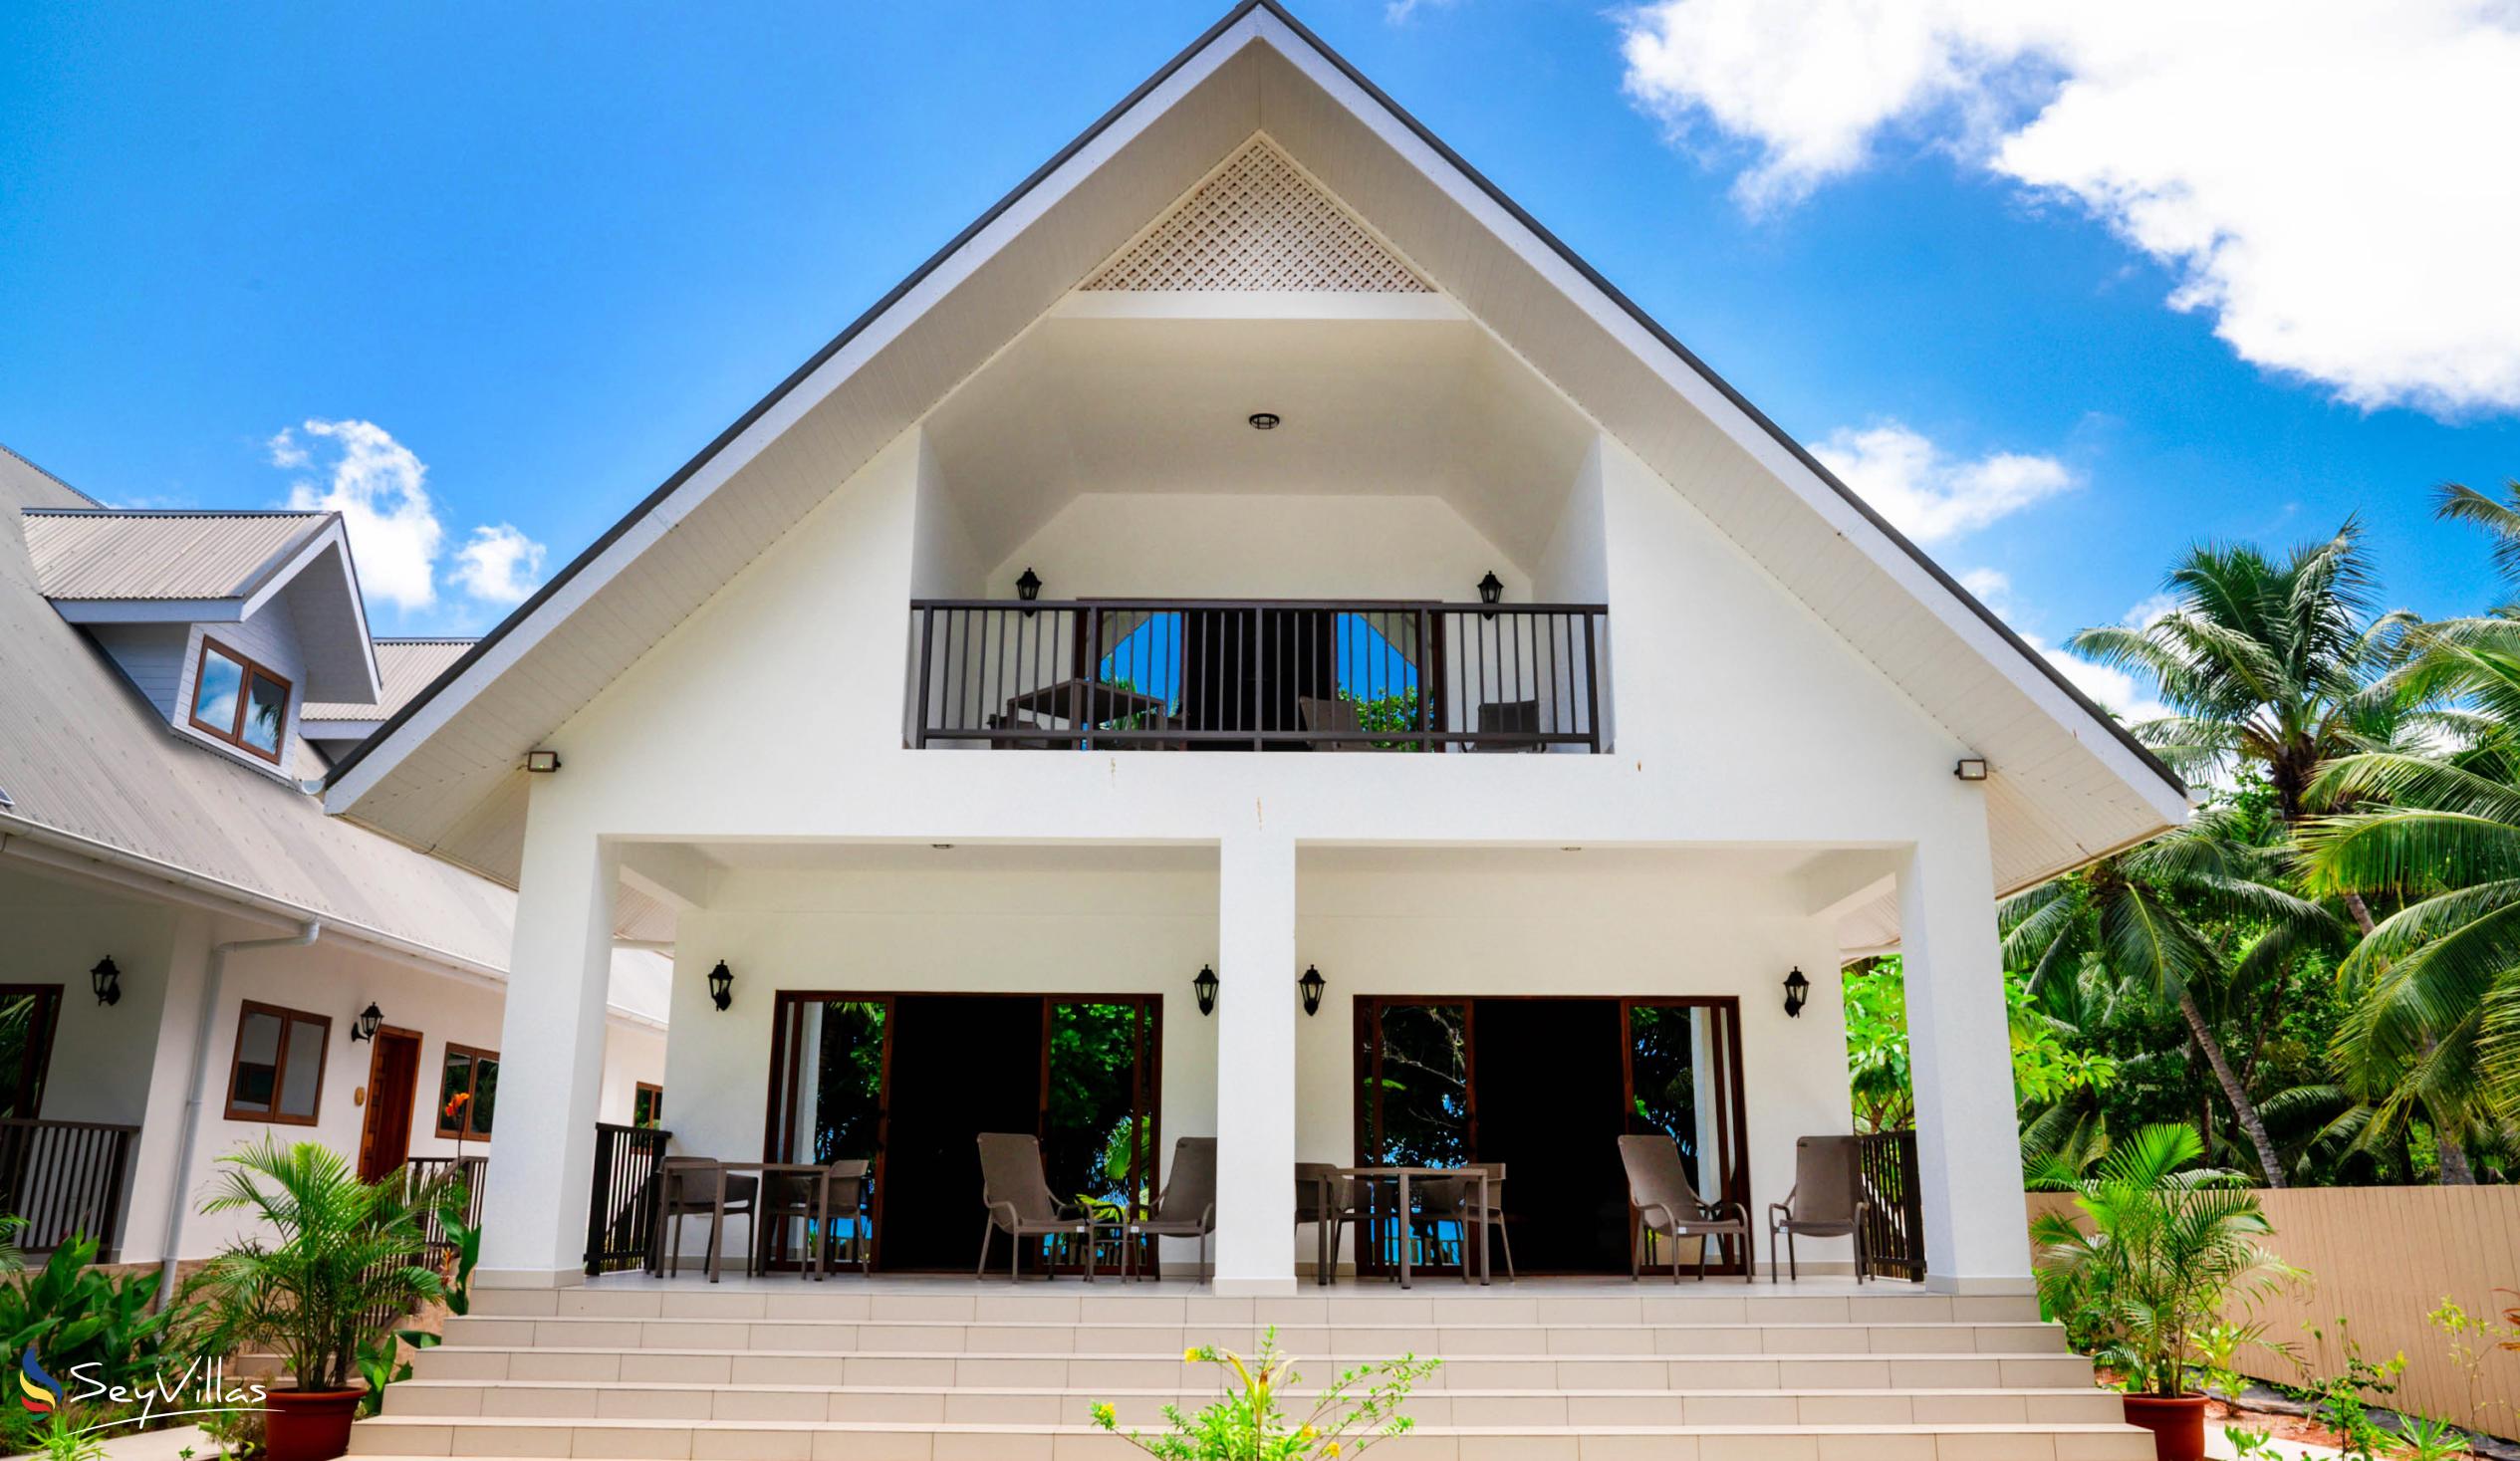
(1403,1177)
(762,1172)
(1078,700)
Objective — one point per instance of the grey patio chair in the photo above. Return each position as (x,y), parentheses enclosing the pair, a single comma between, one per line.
(1508,718)
(1187,1207)
(1826,1202)
(821,1200)
(1667,1204)
(1334,716)
(690,1186)
(1016,1196)
(1456,1200)
(1330,1203)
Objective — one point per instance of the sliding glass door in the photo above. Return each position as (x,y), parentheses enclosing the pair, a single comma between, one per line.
(1547,1085)
(907,1082)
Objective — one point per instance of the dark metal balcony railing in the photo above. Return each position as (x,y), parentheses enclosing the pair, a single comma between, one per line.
(63,1179)
(1222,674)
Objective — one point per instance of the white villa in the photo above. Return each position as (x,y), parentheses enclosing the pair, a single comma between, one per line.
(1252,641)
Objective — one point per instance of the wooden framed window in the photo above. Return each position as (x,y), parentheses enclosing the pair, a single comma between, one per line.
(29,1016)
(238,701)
(647,1104)
(468,1093)
(278,1073)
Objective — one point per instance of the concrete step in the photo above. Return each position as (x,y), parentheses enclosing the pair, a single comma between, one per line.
(675,1440)
(1340,1339)
(1436,1302)
(1069,1405)
(1766,1371)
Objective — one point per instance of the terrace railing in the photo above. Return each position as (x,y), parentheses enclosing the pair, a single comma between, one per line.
(1226,675)
(63,1179)
(1894,1220)
(622,1203)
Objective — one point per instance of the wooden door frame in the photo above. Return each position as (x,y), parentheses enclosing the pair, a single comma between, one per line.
(368,1116)
(1732,1110)
(788,1053)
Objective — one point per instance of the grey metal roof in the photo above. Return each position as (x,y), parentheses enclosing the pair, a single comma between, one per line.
(406,666)
(92,552)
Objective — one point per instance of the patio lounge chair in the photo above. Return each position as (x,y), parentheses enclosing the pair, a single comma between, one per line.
(1667,1204)
(1330,1202)
(1826,1202)
(1017,1197)
(1187,1208)
(838,1196)
(690,1186)
(1336,717)
(1456,1200)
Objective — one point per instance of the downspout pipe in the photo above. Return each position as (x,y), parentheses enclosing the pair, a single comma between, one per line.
(179,1200)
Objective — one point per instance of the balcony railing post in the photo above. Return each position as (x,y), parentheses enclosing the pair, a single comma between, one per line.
(926,658)
(1591,689)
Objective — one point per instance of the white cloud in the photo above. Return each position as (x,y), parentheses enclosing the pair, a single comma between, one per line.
(2332,179)
(499,565)
(382,492)
(1930,496)
(381,489)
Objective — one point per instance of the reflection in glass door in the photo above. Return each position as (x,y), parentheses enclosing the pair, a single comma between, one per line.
(906,1082)
(1545,1086)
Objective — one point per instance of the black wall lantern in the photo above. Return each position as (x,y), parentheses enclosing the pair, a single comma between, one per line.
(1312,984)
(1797,993)
(721,985)
(1028,588)
(1205,986)
(106,981)
(1491,589)
(365,1027)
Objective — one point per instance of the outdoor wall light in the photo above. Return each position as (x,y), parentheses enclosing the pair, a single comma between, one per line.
(106,981)
(1028,588)
(721,985)
(1491,589)
(1797,993)
(1970,768)
(365,1027)
(1264,421)
(542,763)
(1312,984)
(1205,986)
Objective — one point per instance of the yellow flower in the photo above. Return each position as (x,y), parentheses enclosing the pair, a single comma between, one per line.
(1305,1435)
(1331,1450)
(1190,1356)
(1103,1414)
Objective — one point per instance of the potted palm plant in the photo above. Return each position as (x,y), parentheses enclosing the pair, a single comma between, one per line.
(2161,1248)
(335,1263)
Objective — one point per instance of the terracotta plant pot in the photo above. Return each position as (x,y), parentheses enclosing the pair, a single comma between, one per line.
(2177,1425)
(309,1425)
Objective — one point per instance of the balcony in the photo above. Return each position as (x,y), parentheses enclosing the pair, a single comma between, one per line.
(1217,674)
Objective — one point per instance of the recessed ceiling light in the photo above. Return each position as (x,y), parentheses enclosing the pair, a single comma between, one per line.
(1264,421)
(942,847)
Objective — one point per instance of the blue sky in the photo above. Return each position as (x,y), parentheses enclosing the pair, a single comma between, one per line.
(545,253)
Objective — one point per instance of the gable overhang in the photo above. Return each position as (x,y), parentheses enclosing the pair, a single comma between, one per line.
(1259,70)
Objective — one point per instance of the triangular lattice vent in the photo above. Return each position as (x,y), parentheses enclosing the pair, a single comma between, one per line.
(1259,224)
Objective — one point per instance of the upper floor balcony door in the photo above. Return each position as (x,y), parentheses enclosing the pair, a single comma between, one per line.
(1318,676)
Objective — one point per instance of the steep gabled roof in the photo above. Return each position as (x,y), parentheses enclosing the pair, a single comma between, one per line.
(2074,783)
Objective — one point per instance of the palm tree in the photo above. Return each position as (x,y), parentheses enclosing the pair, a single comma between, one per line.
(2499,519)
(2438,1025)
(2266,664)
(2137,913)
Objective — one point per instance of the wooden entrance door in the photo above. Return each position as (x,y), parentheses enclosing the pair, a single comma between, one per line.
(394,1075)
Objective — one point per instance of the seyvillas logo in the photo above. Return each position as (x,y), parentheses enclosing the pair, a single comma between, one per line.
(38,1391)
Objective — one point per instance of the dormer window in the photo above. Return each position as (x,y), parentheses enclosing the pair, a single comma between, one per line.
(238,701)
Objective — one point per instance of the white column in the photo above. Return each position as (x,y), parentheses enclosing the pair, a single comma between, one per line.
(551,1077)
(1255,1065)
(1968,1146)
